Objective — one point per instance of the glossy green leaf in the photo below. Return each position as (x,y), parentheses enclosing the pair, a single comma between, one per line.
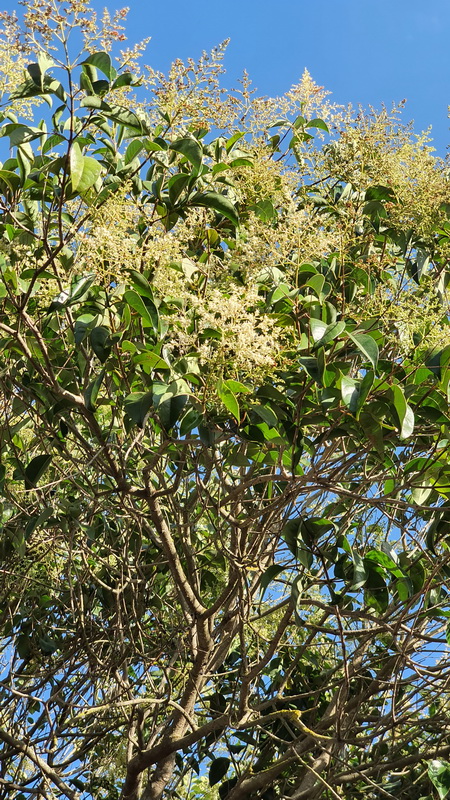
(359,572)
(170,409)
(269,575)
(237,387)
(134,148)
(138,405)
(76,165)
(35,469)
(364,389)
(90,172)
(317,123)
(219,203)
(146,310)
(367,346)
(151,361)
(101,61)
(190,148)
(329,333)
(80,288)
(124,79)
(439,775)
(404,412)
(229,400)
(318,328)
(37,521)
(350,393)
(91,393)
(99,338)
(141,284)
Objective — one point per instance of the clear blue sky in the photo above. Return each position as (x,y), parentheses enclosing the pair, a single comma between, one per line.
(363,51)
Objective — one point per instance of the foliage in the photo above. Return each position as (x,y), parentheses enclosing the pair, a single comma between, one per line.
(225,433)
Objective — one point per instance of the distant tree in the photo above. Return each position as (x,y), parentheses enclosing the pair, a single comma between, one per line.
(225,435)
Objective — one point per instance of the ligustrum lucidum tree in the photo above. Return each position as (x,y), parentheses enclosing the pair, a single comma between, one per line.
(225,480)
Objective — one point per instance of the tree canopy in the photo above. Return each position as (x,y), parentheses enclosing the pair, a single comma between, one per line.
(225,434)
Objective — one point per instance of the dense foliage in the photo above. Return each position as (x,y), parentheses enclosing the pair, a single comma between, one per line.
(224,433)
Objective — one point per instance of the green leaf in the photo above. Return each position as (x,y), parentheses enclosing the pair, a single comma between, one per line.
(150,361)
(147,311)
(359,572)
(80,288)
(236,386)
(190,148)
(19,134)
(290,534)
(328,333)
(364,389)
(35,469)
(218,769)
(170,407)
(218,203)
(137,406)
(100,342)
(141,284)
(266,414)
(82,327)
(90,395)
(177,185)
(92,101)
(229,400)
(350,393)
(317,123)
(296,596)
(37,521)
(91,171)
(133,150)
(318,328)
(367,346)
(439,774)
(119,114)
(125,79)
(404,412)
(76,161)
(269,575)
(102,61)
(264,210)
(11,179)
(69,297)
(313,367)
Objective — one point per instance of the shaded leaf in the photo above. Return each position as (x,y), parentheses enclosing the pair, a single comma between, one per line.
(217,770)
(90,395)
(35,469)
(100,342)
(269,575)
(137,406)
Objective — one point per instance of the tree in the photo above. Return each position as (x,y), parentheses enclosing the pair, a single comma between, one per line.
(225,433)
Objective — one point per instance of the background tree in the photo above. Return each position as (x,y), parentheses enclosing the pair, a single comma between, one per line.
(225,433)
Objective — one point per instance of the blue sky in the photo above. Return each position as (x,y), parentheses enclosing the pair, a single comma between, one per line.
(363,52)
